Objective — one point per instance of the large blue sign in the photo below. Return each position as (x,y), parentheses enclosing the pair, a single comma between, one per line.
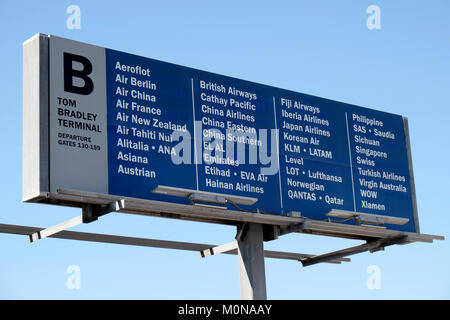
(291,151)
(122,124)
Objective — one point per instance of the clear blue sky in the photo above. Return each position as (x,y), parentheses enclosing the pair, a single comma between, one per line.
(321,48)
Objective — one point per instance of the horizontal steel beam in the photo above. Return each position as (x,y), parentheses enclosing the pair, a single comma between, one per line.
(229,217)
(361,232)
(218,214)
(152,208)
(144,242)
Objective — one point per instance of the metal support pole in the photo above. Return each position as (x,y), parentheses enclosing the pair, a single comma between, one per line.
(251,263)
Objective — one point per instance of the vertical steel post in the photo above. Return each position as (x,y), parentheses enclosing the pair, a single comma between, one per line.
(251,263)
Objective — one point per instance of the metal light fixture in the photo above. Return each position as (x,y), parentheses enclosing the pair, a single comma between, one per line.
(367,217)
(202,196)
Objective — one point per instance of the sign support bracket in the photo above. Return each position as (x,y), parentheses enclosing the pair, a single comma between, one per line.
(371,246)
(55,229)
(90,213)
(219,249)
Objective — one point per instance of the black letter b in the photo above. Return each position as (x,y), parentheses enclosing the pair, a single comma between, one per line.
(70,73)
